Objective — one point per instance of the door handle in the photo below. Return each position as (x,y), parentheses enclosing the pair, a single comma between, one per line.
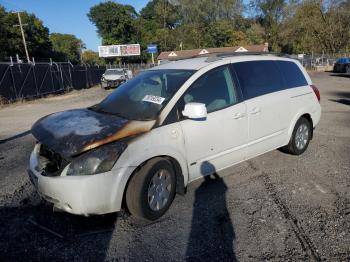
(238,116)
(256,110)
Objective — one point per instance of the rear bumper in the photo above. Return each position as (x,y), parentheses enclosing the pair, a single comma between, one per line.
(81,195)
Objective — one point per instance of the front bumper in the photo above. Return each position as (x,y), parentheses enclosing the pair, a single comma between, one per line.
(112,83)
(81,195)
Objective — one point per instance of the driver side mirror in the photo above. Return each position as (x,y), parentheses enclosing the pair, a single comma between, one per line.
(195,111)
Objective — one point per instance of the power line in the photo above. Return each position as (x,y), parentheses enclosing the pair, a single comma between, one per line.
(22,32)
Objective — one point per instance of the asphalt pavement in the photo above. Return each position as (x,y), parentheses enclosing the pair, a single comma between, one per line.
(276,207)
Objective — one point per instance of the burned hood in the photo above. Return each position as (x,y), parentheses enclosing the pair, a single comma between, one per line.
(72,132)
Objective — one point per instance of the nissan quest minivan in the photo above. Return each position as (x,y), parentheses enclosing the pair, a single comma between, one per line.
(169,126)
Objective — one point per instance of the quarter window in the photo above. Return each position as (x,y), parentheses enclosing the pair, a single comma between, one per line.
(258,78)
(215,89)
(292,75)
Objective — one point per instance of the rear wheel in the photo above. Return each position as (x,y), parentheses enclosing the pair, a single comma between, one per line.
(151,189)
(301,137)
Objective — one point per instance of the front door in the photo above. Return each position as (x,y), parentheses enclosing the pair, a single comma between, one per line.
(218,141)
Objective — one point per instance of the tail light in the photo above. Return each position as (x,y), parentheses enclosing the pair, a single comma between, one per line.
(317,92)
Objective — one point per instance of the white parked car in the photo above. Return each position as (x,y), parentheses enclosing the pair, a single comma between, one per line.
(169,126)
(114,77)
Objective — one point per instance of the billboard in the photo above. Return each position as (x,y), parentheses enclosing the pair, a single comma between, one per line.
(119,50)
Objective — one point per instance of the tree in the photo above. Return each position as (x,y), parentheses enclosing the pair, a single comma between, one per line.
(318,27)
(256,34)
(37,35)
(160,19)
(90,57)
(219,34)
(271,14)
(115,23)
(66,47)
(3,32)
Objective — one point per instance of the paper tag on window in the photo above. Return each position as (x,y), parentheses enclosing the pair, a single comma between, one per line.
(154,99)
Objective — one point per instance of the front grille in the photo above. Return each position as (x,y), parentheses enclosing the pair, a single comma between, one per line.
(51,163)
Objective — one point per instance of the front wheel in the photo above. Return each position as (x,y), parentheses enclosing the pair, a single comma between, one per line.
(301,137)
(151,190)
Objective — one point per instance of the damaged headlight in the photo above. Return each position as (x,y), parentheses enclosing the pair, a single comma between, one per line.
(96,161)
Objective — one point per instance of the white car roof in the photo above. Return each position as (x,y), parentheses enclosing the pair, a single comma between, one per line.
(201,62)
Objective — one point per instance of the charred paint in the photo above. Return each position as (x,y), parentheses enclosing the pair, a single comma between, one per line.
(132,128)
(73,132)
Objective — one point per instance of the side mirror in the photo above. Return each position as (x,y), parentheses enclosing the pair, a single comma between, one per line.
(195,111)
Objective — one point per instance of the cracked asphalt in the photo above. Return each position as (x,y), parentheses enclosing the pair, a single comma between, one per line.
(276,207)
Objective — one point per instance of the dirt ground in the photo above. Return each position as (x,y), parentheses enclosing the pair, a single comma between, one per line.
(276,207)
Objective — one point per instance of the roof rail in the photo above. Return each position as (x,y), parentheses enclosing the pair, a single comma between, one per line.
(215,56)
(212,57)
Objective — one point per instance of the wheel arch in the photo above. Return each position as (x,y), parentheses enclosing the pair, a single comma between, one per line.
(295,120)
(180,178)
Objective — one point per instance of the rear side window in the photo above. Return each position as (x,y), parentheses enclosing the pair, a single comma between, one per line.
(258,78)
(292,74)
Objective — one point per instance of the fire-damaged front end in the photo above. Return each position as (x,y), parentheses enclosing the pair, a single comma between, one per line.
(72,164)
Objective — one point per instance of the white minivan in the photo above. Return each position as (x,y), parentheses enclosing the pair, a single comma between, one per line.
(168,126)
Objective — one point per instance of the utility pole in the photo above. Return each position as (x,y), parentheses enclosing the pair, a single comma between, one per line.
(22,32)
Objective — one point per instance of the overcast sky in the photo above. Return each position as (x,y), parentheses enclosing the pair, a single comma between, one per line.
(67,16)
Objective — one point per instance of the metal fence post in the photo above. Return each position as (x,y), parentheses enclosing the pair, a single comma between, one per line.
(52,83)
(70,74)
(60,68)
(86,77)
(34,77)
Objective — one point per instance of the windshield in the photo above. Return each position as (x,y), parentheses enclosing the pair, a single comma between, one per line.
(114,72)
(143,97)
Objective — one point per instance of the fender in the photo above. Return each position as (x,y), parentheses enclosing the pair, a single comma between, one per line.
(147,146)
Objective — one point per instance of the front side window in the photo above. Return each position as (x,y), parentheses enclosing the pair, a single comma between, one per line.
(258,78)
(215,89)
(143,97)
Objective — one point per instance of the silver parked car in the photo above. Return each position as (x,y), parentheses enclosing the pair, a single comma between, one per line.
(112,78)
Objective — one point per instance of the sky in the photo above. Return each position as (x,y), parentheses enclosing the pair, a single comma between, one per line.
(67,16)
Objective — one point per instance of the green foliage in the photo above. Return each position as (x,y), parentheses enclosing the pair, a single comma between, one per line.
(3,33)
(219,33)
(66,47)
(37,35)
(256,34)
(316,27)
(90,57)
(293,26)
(40,44)
(115,23)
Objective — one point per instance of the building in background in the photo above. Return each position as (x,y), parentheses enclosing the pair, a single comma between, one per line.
(183,54)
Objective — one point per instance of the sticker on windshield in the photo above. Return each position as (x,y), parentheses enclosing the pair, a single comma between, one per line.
(154,99)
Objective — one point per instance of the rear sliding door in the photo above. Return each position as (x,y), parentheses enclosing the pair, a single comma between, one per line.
(268,105)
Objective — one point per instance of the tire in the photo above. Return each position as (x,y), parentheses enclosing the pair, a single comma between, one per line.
(347,70)
(145,194)
(297,145)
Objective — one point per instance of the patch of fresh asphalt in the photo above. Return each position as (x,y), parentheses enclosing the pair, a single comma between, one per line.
(275,207)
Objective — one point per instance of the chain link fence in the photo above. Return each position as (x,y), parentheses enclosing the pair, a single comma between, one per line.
(319,62)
